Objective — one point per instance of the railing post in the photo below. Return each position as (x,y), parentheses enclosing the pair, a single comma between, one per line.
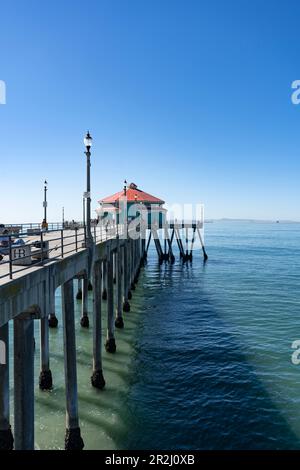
(10,258)
(42,248)
(76,239)
(62,242)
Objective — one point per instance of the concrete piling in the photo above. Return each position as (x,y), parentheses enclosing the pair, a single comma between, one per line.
(104,279)
(136,260)
(84,320)
(52,319)
(79,290)
(119,322)
(6,437)
(115,267)
(126,304)
(132,264)
(97,378)
(110,344)
(143,246)
(24,384)
(45,380)
(205,257)
(73,440)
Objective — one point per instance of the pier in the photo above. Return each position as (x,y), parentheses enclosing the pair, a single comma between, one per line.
(38,262)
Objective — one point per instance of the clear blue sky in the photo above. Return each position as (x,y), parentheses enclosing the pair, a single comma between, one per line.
(189,99)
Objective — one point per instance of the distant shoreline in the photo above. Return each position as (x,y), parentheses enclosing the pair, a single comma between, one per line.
(260,221)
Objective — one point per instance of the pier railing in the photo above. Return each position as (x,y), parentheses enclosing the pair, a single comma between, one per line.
(26,250)
(33,247)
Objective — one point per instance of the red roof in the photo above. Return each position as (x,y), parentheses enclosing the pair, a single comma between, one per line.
(133,195)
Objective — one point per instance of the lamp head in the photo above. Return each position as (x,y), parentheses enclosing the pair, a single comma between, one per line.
(88,141)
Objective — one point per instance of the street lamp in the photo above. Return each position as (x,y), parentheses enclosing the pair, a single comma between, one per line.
(45,204)
(88,143)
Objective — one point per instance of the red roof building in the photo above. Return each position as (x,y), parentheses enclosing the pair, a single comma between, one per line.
(133,194)
(110,206)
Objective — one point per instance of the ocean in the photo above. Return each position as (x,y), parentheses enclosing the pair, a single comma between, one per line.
(204,361)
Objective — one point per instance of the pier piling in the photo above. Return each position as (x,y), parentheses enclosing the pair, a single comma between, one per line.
(73,440)
(110,344)
(6,437)
(52,319)
(205,257)
(119,322)
(126,304)
(79,290)
(97,378)
(84,320)
(24,384)
(104,280)
(45,379)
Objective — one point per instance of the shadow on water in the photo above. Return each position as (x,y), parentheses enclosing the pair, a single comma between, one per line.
(194,387)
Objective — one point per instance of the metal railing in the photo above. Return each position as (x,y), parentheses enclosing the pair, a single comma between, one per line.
(31,227)
(35,247)
(24,251)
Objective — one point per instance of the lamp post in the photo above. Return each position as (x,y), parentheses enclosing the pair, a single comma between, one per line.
(88,143)
(45,225)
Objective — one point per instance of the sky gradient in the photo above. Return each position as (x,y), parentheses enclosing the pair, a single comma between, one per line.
(191,100)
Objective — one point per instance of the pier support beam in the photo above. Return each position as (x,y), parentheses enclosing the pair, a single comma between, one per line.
(132,254)
(45,380)
(115,267)
(6,437)
(84,320)
(73,440)
(119,322)
(129,268)
(126,304)
(97,378)
(24,384)
(179,242)
(104,280)
(158,246)
(148,243)
(143,246)
(52,320)
(137,260)
(205,257)
(79,290)
(110,344)
(169,254)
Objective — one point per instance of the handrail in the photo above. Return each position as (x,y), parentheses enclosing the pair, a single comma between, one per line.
(51,244)
(42,245)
